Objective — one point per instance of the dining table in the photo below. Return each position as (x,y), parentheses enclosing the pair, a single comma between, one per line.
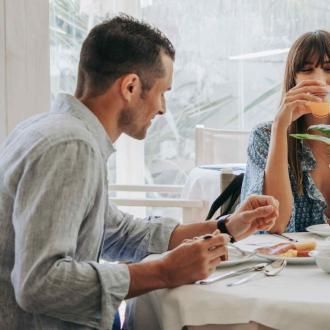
(298,298)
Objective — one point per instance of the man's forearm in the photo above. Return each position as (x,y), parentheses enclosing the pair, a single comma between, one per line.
(145,277)
(187,231)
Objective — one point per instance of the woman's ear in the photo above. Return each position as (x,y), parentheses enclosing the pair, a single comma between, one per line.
(130,86)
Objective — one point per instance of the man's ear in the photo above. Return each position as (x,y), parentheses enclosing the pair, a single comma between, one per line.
(130,86)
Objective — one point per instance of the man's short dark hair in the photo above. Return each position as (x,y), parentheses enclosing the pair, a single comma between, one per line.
(120,46)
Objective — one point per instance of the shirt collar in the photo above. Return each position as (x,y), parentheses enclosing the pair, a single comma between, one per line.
(66,103)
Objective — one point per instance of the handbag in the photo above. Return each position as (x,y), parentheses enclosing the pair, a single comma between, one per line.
(228,199)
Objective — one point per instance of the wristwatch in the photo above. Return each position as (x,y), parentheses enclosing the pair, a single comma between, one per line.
(221,224)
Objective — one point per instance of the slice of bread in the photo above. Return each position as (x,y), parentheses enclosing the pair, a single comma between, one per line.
(305,245)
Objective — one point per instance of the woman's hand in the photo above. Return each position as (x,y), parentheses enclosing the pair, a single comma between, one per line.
(295,102)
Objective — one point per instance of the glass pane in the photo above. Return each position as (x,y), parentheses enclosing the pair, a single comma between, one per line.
(70,22)
(228,70)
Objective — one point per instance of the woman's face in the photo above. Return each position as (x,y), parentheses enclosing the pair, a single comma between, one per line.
(312,72)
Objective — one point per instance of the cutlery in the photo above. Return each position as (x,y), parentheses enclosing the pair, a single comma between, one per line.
(243,252)
(271,269)
(285,237)
(262,243)
(213,279)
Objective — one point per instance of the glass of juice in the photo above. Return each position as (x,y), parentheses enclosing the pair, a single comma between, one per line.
(321,109)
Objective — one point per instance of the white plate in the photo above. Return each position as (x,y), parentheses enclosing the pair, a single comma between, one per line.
(226,166)
(236,258)
(322,230)
(290,260)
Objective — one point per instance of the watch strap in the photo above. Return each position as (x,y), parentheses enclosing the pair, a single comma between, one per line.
(221,224)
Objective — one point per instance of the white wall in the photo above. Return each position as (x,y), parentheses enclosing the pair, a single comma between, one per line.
(24,61)
(3,119)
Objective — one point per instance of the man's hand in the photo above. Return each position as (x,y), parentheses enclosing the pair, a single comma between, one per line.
(258,212)
(194,259)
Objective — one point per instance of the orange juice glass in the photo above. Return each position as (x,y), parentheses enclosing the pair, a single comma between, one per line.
(321,109)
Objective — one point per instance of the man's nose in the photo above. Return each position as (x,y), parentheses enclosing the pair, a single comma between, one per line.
(162,109)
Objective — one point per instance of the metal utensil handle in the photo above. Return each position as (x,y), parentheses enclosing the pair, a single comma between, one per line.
(231,274)
(243,280)
(286,237)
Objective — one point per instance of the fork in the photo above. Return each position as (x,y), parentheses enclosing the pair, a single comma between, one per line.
(286,237)
(244,253)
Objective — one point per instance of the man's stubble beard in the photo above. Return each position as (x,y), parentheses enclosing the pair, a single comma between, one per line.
(128,123)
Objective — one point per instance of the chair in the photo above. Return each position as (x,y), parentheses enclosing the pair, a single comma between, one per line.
(188,206)
(226,150)
(218,146)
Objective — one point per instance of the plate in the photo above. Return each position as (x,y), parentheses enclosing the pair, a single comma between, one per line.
(321,230)
(290,260)
(223,167)
(236,258)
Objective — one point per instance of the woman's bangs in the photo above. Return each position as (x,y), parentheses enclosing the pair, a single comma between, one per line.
(315,49)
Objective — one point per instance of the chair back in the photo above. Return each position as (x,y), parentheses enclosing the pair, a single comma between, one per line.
(218,146)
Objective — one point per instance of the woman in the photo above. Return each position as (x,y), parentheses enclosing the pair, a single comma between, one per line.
(295,172)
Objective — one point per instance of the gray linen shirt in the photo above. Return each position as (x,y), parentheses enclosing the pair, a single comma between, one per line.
(56,221)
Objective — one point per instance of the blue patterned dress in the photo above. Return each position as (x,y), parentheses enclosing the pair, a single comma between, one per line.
(309,208)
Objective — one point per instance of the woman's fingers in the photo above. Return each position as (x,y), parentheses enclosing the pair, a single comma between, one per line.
(317,90)
(302,97)
(309,83)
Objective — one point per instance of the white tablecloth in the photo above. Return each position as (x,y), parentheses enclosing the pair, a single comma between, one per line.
(205,184)
(297,299)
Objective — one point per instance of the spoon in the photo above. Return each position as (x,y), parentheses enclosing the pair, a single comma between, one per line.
(272,269)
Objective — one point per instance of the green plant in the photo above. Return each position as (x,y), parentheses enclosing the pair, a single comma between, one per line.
(321,128)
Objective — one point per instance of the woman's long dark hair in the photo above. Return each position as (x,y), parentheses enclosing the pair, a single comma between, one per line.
(311,45)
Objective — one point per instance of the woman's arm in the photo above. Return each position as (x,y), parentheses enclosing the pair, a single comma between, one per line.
(277,181)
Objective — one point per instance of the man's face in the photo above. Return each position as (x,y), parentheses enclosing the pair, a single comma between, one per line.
(136,118)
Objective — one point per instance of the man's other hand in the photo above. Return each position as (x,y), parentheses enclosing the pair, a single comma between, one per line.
(258,212)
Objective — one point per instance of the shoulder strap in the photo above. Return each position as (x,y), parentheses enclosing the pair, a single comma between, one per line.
(232,191)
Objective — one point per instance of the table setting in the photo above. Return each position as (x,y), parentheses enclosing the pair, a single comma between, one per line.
(250,290)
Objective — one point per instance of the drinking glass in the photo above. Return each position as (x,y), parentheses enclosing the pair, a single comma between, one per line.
(321,109)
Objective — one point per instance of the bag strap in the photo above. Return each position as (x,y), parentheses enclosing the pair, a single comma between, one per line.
(232,191)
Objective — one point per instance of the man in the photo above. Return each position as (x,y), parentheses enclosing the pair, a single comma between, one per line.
(56,220)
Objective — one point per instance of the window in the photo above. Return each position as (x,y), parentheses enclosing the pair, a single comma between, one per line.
(228,71)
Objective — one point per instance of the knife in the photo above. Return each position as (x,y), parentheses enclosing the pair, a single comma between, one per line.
(213,279)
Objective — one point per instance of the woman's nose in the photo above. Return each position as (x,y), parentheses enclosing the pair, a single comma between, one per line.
(321,75)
